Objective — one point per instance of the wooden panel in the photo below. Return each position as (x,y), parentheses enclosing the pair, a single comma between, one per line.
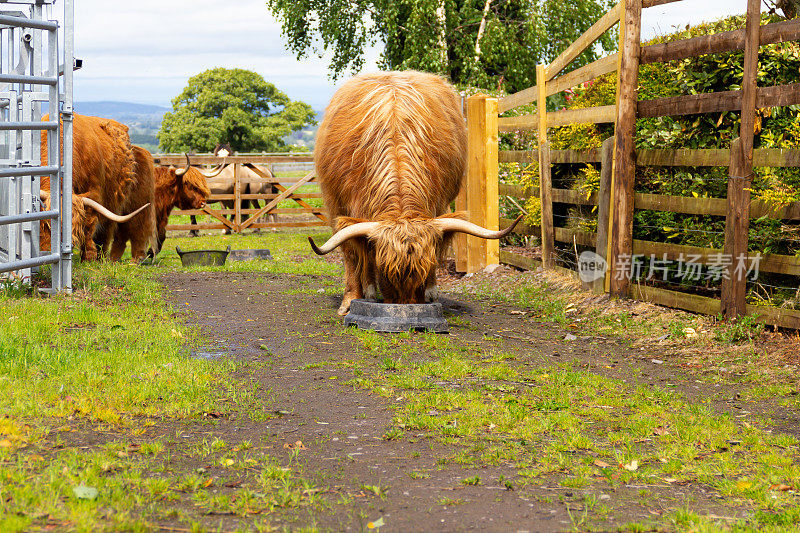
(683,158)
(573,197)
(584,238)
(594,115)
(681,204)
(778,95)
(653,3)
(529,263)
(690,104)
(589,115)
(519,123)
(785,318)
(727,41)
(278,199)
(283,211)
(593,70)
(178,227)
(519,261)
(675,299)
(210,159)
(525,96)
(584,41)
(523,228)
(525,157)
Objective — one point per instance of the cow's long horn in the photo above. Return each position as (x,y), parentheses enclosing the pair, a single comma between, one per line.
(182,171)
(110,214)
(213,172)
(360,229)
(456,224)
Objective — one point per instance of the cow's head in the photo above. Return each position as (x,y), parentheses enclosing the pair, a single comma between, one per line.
(406,251)
(192,187)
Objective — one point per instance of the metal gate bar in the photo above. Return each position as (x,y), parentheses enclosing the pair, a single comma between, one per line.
(35,68)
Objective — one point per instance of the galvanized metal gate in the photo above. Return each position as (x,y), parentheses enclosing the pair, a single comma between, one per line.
(36,63)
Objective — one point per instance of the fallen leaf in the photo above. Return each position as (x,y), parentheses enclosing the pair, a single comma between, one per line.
(84,493)
(632,466)
(781,487)
(376,524)
(5,443)
(743,484)
(669,479)
(601,464)
(660,431)
(296,446)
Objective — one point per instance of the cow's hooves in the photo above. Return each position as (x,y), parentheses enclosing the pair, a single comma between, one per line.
(343,310)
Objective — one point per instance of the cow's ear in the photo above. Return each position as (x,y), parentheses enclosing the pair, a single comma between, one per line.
(343,222)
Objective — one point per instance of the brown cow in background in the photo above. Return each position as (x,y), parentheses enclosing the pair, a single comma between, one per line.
(141,229)
(184,188)
(391,155)
(102,176)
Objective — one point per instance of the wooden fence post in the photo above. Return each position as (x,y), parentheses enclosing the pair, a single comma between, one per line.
(545,179)
(460,239)
(237,199)
(482,179)
(624,175)
(603,207)
(737,221)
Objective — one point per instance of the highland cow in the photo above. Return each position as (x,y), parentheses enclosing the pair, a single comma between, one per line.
(390,156)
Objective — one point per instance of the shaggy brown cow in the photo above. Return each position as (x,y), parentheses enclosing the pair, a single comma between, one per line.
(391,156)
(102,175)
(184,188)
(141,229)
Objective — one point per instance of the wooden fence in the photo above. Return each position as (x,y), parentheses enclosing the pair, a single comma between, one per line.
(232,216)
(616,199)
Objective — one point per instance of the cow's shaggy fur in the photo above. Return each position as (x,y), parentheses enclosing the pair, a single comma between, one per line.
(141,229)
(392,150)
(188,191)
(102,169)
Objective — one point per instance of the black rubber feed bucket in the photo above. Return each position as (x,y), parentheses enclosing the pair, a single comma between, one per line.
(203,257)
(396,318)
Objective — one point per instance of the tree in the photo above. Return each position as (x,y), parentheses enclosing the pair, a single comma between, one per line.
(485,43)
(234,106)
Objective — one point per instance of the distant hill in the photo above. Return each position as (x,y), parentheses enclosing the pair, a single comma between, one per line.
(144,121)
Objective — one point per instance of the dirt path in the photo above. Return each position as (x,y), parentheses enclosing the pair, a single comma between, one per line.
(283,321)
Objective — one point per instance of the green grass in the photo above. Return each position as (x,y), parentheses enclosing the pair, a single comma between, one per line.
(113,359)
(564,422)
(111,352)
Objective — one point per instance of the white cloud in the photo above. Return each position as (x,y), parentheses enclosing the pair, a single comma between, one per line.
(145,51)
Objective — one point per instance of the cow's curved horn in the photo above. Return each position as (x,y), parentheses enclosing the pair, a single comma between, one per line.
(110,214)
(360,229)
(182,171)
(456,224)
(213,172)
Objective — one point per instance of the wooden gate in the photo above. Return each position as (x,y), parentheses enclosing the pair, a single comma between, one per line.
(238,219)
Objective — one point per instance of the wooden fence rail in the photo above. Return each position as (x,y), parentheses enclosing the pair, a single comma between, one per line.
(616,200)
(235,218)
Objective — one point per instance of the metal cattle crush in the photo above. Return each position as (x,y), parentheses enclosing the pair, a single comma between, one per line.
(36,64)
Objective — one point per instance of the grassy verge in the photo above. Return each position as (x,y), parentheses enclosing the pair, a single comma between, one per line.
(596,435)
(84,377)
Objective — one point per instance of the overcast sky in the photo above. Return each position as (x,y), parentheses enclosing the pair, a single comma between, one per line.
(144,51)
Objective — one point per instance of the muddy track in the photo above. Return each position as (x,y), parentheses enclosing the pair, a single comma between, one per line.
(278,319)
